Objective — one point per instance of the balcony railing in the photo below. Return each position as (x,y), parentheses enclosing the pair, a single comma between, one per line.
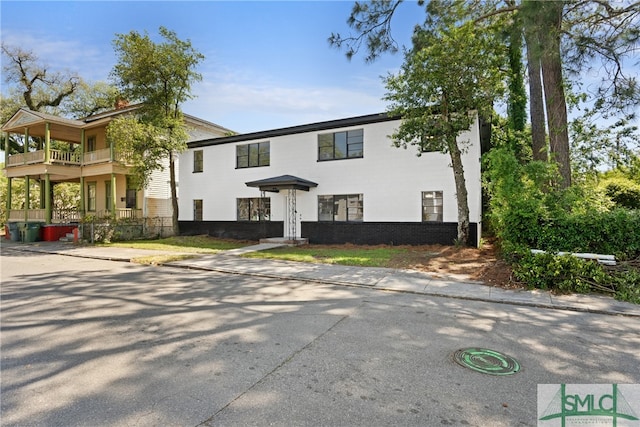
(26,158)
(64,157)
(68,158)
(98,156)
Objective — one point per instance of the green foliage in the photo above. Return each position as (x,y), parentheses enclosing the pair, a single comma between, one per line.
(528,212)
(566,274)
(563,273)
(159,75)
(594,145)
(627,285)
(624,192)
(145,146)
(451,72)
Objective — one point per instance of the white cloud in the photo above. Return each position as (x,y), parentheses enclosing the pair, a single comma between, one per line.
(246,102)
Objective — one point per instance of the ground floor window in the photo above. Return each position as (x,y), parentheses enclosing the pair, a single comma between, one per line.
(254,209)
(346,207)
(197,210)
(432,206)
(91,196)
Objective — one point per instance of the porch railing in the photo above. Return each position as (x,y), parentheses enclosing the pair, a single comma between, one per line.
(66,157)
(29,215)
(97,156)
(68,215)
(65,215)
(128,213)
(26,158)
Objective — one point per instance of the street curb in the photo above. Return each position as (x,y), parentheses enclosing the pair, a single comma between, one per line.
(405,291)
(342,283)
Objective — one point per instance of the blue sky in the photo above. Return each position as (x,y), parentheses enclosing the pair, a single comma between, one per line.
(268,64)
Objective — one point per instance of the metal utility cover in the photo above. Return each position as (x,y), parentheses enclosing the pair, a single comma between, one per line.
(486,361)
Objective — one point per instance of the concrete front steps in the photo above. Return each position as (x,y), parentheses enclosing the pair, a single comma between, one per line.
(285,241)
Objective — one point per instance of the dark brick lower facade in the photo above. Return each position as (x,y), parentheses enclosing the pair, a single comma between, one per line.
(387,233)
(233,229)
(359,233)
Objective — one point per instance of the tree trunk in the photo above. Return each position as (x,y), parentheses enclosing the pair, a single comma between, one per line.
(536,100)
(461,193)
(554,90)
(174,193)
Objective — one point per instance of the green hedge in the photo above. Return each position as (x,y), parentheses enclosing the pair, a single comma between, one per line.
(614,232)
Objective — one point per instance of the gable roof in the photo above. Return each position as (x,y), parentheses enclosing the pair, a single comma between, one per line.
(59,127)
(70,130)
(312,127)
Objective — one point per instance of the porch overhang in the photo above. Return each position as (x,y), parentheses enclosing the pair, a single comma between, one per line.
(36,122)
(283,182)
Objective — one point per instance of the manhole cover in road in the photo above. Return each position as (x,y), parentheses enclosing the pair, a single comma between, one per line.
(486,361)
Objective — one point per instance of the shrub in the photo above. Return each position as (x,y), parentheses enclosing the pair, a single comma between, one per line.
(527,210)
(566,274)
(623,192)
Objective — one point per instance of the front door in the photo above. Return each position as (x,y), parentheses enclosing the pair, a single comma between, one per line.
(132,199)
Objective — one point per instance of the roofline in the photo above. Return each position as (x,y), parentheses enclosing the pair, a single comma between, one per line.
(292,130)
(111,113)
(45,117)
(205,122)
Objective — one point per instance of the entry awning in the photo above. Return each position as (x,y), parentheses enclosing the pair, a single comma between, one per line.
(283,182)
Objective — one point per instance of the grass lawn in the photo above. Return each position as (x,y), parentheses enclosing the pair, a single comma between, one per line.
(184,244)
(364,256)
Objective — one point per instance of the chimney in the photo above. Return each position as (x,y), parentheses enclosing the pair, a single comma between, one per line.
(121,103)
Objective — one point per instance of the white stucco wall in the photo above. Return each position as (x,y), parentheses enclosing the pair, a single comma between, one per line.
(390,179)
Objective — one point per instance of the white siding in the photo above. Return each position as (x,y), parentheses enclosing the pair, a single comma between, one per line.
(391,179)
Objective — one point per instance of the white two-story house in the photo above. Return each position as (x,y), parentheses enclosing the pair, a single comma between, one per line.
(330,182)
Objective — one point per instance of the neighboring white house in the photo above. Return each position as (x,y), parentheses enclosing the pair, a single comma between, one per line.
(329,182)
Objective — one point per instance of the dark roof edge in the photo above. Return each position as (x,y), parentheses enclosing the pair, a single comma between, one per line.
(292,130)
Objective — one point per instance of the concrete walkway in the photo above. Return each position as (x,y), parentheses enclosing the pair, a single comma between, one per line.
(384,279)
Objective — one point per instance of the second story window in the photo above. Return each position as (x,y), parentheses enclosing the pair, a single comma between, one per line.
(341,145)
(198,165)
(253,155)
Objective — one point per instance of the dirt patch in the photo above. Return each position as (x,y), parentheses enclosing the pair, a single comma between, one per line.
(481,264)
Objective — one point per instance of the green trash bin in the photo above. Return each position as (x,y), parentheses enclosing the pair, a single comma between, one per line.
(14,232)
(31,232)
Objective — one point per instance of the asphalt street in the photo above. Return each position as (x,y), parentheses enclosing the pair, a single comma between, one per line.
(89,342)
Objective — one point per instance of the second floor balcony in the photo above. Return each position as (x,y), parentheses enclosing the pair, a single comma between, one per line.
(72,158)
